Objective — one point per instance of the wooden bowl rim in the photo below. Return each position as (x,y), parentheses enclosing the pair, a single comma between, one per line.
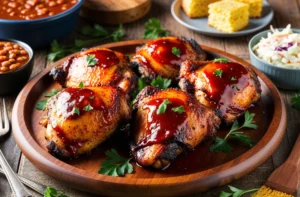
(254,156)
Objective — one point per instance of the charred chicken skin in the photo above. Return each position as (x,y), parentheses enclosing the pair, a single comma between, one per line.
(228,87)
(163,56)
(96,67)
(159,136)
(79,119)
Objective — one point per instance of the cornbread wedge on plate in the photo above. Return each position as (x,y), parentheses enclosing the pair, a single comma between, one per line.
(255,7)
(228,16)
(196,8)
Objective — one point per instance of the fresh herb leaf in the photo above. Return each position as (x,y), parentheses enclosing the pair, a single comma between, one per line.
(115,165)
(176,51)
(96,31)
(162,83)
(221,60)
(52,93)
(76,111)
(140,85)
(88,108)
(179,109)
(233,79)
(91,60)
(51,192)
(163,106)
(92,97)
(81,85)
(234,86)
(117,35)
(218,72)
(41,105)
(296,101)
(221,145)
(129,56)
(153,29)
(235,192)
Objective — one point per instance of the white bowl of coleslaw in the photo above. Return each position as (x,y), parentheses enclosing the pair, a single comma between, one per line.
(276,52)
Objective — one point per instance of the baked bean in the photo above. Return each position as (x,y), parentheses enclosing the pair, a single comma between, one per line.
(3,68)
(60,1)
(40,6)
(23,52)
(8,48)
(73,2)
(52,3)
(7,44)
(14,66)
(12,56)
(15,51)
(51,13)
(28,6)
(13,4)
(5,63)
(3,57)
(22,58)
(12,14)
(5,2)
(3,52)
(32,2)
(9,10)
(24,11)
(11,60)
(16,46)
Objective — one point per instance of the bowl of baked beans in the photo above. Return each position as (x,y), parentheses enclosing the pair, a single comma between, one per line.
(16,63)
(38,22)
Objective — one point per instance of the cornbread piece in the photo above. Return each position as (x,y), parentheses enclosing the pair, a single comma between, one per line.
(228,16)
(255,7)
(196,8)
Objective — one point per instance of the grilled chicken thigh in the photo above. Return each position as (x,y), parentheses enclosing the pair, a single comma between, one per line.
(228,87)
(167,123)
(96,67)
(79,119)
(163,56)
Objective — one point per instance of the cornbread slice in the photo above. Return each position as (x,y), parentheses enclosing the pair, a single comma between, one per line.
(255,7)
(228,16)
(196,8)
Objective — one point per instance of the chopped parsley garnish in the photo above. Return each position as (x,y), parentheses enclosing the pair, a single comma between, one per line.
(233,79)
(218,72)
(91,60)
(51,192)
(41,105)
(76,111)
(221,60)
(162,83)
(296,101)
(81,84)
(179,109)
(88,108)
(235,86)
(115,165)
(163,106)
(52,93)
(176,51)
(222,145)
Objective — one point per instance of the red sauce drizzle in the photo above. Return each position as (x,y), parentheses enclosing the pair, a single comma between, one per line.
(79,98)
(162,127)
(161,51)
(105,58)
(222,89)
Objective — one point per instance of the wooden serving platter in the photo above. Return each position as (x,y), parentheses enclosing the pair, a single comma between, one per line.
(192,173)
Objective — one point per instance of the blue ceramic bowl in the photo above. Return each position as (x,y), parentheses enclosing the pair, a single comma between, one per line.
(40,32)
(284,78)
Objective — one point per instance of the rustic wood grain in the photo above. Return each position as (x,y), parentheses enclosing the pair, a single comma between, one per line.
(285,12)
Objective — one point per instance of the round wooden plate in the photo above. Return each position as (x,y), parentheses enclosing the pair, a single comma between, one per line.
(197,171)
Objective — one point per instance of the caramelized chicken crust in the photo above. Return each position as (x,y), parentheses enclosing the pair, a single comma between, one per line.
(110,68)
(79,119)
(158,138)
(163,56)
(228,87)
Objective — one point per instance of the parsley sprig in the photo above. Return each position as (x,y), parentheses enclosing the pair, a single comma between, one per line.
(235,192)
(51,192)
(58,51)
(115,165)
(221,145)
(41,105)
(296,101)
(163,106)
(153,29)
(91,60)
(176,51)
(218,72)
(179,109)
(221,60)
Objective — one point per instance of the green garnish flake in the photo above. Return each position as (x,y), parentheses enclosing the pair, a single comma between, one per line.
(233,79)
(296,101)
(52,93)
(179,109)
(41,105)
(235,192)
(222,145)
(235,86)
(76,111)
(51,192)
(163,106)
(221,60)
(92,97)
(81,85)
(162,83)
(88,108)
(218,72)
(91,60)
(115,165)
(153,29)
(176,51)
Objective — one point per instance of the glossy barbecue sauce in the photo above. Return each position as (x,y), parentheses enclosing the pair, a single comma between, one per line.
(105,59)
(165,126)
(161,51)
(70,99)
(221,89)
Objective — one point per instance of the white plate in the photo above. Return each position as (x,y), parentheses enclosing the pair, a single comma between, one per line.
(201,24)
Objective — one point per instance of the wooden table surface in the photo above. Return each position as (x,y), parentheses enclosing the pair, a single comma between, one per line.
(285,12)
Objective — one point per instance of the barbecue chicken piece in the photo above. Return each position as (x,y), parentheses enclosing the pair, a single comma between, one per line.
(163,56)
(228,87)
(79,119)
(168,123)
(96,67)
